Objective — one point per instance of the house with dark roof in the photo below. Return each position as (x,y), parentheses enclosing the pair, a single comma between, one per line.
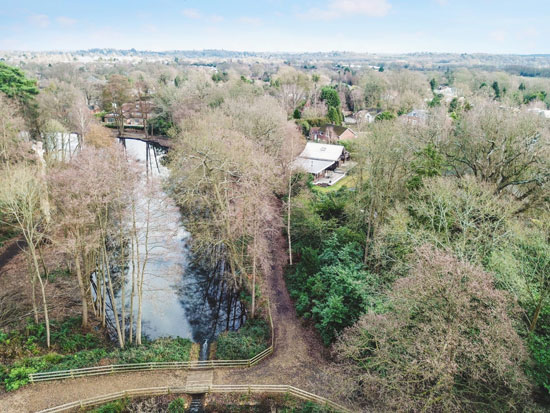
(331,133)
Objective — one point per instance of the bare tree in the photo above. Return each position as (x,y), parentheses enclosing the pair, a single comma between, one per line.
(507,148)
(21,197)
(115,94)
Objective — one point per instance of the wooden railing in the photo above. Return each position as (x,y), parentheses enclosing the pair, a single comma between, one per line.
(193,389)
(158,365)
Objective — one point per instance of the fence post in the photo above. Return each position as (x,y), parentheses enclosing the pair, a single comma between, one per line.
(31,379)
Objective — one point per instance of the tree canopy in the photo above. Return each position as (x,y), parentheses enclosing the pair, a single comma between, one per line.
(15,84)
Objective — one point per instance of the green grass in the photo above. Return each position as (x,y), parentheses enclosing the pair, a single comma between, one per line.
(348,181)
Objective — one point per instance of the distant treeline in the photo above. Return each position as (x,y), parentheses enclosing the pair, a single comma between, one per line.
(529,71)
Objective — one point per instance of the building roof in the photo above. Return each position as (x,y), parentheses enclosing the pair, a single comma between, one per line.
(338,130)
(322,152)
(313,166)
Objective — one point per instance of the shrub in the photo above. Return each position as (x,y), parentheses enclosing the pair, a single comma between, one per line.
(251,339)
(331,285)
(164,349)
(448,341)
(18,377)
(387,115)
(540,370)
(177,406)
(118,406)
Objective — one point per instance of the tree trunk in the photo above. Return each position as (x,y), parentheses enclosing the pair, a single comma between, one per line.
(288,219)
(370,227)
(83,295)
(112,296)
(254,275)
(43,291)
(536,315)
(132,293)
(32,279)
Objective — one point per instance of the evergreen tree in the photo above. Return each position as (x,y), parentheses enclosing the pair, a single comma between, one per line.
(496,88)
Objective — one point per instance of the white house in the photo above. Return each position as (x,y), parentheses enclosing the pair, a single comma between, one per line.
(321,160)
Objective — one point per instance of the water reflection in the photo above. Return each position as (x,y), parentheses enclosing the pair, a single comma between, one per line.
(180,296)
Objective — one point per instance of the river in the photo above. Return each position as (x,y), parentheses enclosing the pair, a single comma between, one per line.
(181,298)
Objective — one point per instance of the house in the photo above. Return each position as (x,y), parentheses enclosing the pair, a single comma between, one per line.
(331,133)
(134,114)
(110,118)
(416,117)
(323,161)
(448,93)
(364,116)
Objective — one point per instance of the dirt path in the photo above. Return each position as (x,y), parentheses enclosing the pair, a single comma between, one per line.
(298,360)
(299,357)
(11,250)
(43,395)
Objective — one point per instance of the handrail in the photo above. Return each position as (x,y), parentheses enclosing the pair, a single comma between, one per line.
(191,389)
(158,365)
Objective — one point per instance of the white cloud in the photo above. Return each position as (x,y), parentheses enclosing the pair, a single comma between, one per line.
(252,21)
(150,28)
(366,7)
(498,35)
(215,18)
(339,8)
(191,13)
(65,21)
(529,33)
(40,20)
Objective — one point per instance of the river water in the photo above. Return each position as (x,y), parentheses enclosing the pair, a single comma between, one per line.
(180,297)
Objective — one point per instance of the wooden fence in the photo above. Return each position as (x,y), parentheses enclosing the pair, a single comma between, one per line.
(193,389)
(160,365)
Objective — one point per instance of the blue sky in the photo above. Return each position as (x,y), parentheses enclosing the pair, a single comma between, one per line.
(378,26)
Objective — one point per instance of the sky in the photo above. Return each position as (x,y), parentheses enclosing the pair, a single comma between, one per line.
(374,26)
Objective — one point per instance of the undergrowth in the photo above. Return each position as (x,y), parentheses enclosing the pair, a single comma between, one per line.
(74,349)
(251,339)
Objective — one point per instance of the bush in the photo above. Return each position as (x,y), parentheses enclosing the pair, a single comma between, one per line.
(118,406)
(387,115)
(86,351)
(540,370)
(331,286)
(177,406)
(448,341)
(251,339)
(18,377)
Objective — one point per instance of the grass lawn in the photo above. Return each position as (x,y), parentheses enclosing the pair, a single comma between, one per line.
(348,181)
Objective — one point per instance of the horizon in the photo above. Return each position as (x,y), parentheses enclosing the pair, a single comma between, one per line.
(280,26)
(277,52)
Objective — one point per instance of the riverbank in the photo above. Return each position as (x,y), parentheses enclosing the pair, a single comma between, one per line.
(162,141)
(299,359)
